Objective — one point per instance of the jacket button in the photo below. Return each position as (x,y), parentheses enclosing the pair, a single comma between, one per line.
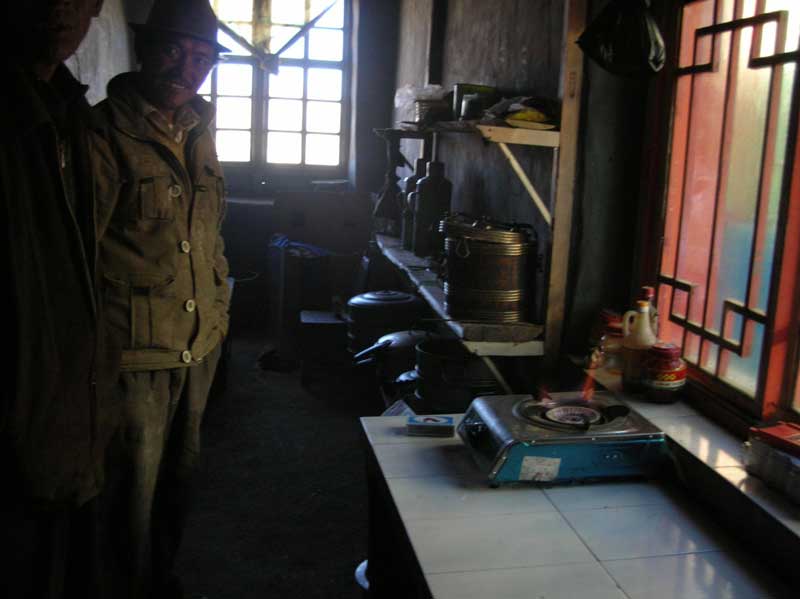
(186,247)
(186,357)
(190,305)
(175,191)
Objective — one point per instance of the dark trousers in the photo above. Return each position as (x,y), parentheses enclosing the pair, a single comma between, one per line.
(50,554)
(150,477)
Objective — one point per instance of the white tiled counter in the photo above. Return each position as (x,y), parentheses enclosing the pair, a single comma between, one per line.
(630,540)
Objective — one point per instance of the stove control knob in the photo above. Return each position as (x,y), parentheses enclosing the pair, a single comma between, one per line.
(475,428)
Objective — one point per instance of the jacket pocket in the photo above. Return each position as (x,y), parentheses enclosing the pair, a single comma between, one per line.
(209,191)
(157,197)
(140,309)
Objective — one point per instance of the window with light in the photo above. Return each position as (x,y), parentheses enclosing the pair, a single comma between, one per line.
(293,119)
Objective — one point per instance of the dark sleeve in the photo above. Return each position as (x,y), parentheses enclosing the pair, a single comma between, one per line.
(8,303)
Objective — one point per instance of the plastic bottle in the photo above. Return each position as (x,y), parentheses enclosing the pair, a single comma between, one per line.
(433,202)
(638,339)
(648,294)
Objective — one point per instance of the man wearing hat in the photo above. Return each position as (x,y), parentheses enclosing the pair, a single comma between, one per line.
(160,207)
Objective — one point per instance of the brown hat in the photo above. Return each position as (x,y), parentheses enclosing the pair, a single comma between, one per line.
(194,18)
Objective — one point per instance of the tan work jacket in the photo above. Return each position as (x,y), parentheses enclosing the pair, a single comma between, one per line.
(164,272)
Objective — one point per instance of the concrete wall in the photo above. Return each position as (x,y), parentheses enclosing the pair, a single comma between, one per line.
(106,50)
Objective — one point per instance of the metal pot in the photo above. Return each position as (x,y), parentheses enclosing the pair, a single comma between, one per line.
(376,313)
(450,377)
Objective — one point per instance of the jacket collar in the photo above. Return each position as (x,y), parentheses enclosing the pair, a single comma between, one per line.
(23,108)
(125,102)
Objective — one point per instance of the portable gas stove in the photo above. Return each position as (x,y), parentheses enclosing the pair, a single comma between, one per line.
(561,438)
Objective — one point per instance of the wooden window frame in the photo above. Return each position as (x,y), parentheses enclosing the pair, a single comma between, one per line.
(726,404)
(258,177)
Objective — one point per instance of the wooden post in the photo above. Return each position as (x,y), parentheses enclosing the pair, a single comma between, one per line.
(571,84)
(436,42)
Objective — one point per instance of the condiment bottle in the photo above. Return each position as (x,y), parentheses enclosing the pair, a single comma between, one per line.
(433,202)
(663,372)
(638,339)
(648,294)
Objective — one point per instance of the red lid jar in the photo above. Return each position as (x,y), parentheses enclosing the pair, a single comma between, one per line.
(663,372)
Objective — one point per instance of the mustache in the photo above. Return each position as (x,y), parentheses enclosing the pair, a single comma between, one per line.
(175,77)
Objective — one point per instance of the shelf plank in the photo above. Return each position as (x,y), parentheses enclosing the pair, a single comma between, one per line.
(483,339)
(526,137)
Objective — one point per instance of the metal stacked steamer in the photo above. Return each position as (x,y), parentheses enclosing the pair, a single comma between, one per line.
(487,264)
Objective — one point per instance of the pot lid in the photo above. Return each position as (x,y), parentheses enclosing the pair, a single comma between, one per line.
(484,229)
(384,297)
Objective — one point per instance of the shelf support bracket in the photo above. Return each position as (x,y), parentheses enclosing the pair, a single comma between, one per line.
(526,183)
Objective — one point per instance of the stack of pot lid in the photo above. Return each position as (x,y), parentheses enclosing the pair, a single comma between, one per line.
(487,263)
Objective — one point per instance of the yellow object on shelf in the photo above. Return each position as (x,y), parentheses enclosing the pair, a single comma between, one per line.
(523,124)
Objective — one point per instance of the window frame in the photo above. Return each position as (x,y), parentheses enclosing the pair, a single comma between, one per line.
(258,177)
(721,400)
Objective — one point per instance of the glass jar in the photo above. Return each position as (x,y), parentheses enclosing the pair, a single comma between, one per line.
(611,346)
(600,326)
(663,373)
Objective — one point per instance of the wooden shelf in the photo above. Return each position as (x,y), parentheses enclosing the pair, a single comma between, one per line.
(482,339)
(510,135)
(526,137)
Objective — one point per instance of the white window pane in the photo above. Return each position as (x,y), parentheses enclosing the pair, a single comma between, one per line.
(233,146)
(234,10)
(234,80)
(234,113)
(205,89)
(281,35)
(292,12)
(333,18)
(286,115)
(325,44)
(324,84)
(246,31)
(322,149)
(283,148)
(288,83)
(324,117)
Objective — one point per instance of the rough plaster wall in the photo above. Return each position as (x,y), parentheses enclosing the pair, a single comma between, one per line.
(412,63)
(105,52)
(415,30)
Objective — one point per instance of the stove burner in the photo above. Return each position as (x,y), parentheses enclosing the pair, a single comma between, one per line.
(570,415)
(576,415)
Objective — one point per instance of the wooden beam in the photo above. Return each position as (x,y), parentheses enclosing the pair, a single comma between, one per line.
(525,137)
(571,85)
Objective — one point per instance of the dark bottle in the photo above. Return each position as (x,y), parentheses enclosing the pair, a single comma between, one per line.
(407,233)
(433,202)
(409,189)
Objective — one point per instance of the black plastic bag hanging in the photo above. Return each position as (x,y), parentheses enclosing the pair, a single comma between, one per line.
(625,39)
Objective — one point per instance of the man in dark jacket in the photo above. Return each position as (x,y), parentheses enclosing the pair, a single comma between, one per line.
(53,427)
